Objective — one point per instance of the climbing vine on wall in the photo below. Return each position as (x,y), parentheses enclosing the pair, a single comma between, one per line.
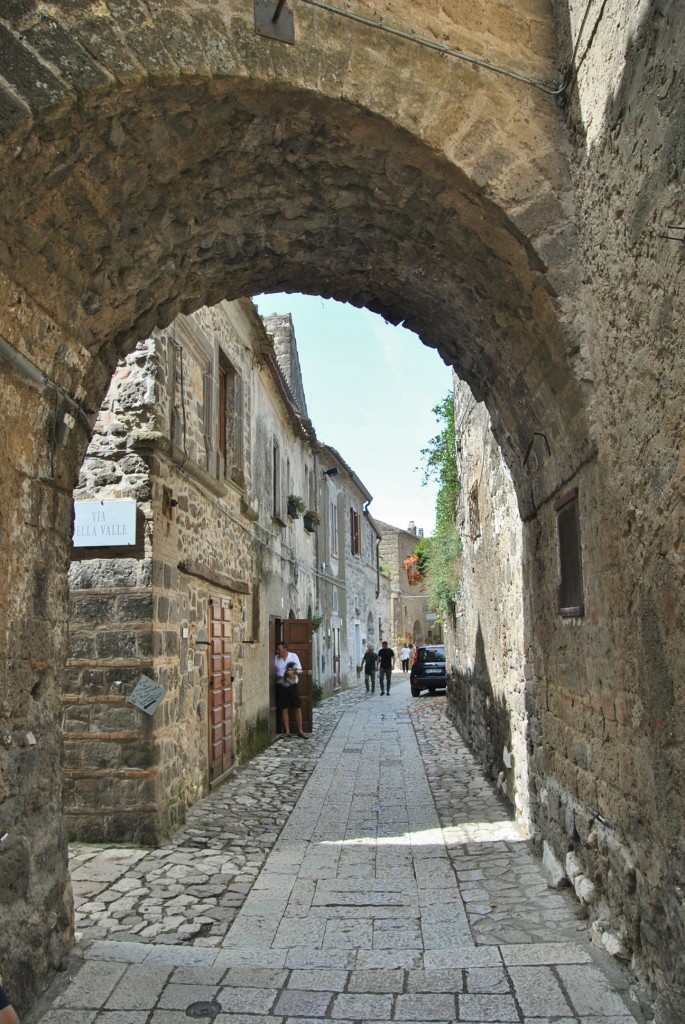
(436,560)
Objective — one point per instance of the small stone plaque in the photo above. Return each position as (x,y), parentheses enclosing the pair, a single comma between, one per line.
(147,695)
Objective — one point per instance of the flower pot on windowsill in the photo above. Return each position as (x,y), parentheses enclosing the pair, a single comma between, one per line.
(295,506)
(311,521)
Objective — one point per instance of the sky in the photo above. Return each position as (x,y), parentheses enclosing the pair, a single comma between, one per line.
(370,389)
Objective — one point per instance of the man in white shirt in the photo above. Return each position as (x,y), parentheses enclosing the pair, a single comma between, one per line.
(405,655)
(287,692)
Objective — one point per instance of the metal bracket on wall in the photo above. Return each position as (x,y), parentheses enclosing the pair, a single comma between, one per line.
(274,20)
(536,433)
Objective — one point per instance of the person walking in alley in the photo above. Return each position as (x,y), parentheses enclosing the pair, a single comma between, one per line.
(288,667)
(369,662)
(386,657)
(405,654)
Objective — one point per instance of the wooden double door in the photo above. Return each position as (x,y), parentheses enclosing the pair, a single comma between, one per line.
(221,752)
(297,635)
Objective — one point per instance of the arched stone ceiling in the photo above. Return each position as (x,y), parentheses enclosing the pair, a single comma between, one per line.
(159,172)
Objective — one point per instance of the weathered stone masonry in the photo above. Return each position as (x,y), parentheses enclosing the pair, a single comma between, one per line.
(489,701)
(201,427)
(155,159)
(129,776)
(409,604)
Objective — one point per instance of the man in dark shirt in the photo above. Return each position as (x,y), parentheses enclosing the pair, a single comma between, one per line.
(386,659)
(369,665)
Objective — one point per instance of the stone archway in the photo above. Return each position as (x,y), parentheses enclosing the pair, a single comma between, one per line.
(157,173)
(158,161)
(161,210)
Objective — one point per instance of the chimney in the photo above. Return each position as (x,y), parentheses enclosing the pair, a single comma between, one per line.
(412,527)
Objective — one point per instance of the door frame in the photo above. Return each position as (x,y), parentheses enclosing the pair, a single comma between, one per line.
(220,647)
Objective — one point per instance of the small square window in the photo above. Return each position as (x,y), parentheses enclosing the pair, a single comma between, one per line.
(570,556)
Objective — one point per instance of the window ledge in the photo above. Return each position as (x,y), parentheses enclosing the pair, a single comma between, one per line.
(572,613)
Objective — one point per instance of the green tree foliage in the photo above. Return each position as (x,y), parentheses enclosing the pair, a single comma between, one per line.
(437,558)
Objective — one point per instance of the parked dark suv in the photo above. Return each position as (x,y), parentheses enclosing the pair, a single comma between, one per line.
(429,671)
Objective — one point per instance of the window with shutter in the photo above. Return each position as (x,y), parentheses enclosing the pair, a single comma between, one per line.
(355,533)
(230,422)
(570,555)
(334,528)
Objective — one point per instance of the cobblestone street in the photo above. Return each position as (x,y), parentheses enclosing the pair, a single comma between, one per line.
(369,873)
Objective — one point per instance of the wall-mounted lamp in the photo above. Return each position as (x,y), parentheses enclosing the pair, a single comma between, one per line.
(333,471)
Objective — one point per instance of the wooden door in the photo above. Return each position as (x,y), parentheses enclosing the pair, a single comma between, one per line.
(297,635)
(220,688)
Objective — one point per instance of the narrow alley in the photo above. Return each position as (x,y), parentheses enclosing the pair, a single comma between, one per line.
(368,873)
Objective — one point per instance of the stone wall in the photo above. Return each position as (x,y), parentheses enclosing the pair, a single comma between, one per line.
(144,611)
(617,715)
(206,529)
(35,531)
(553,712)
(150,166)
(488,698)
(602,694)
(496,224)
(282,330)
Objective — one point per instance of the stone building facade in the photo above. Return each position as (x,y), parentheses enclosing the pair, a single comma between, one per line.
(354,596)
(205,427)
(411,618)
(350,605)
(201,429)
(528,228)
(488,697)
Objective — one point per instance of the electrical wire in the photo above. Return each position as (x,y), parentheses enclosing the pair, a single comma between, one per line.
(550,90)
(573,70)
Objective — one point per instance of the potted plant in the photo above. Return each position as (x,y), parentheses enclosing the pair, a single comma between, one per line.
(311,520)
(295,506)
(316,621)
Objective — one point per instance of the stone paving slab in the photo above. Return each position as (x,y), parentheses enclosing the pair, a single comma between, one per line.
(369,875)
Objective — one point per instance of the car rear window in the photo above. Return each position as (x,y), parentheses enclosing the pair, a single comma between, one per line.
(432,654)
